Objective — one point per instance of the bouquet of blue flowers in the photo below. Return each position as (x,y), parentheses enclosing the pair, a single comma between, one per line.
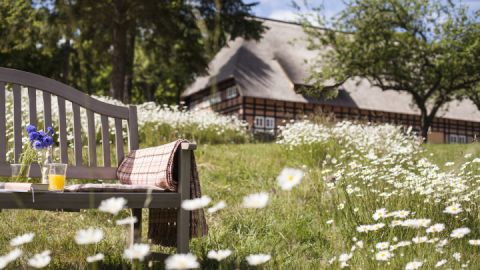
(40,139)
(38,150)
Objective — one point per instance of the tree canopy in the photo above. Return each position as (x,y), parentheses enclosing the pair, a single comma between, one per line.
(428,49)
(132,50)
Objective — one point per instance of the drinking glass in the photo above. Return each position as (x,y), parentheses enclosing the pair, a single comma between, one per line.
(56,176)
(16,168)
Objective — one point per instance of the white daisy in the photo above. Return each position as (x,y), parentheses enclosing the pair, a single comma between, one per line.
(127,220)
(256,200)
(219,255)
(453,209)
(380,214)
(181,261)
(416,223)
(112,205)
(457,256)
(370,227)
(88,236)
(257,259)
(460,232)
(22,239)
(474,242)
(196,203)
(289,178)
(440,263)
(10,257)
(413,265)
(40,260)
(218,206)
(95,258)
(435,228)
(136,251)
(383,255)
(382,245)
(399,214)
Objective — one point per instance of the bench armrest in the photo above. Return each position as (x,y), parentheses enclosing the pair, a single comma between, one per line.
(188,146)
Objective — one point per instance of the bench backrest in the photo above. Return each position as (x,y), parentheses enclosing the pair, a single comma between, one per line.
(16,80)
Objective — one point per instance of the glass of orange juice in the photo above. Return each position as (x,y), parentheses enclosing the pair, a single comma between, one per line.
(56,176)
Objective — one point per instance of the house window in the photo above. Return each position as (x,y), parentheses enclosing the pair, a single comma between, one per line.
(453,138)
(231,92)
(259,122)
(269,122)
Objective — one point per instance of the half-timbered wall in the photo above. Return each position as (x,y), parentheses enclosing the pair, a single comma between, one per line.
(266,115)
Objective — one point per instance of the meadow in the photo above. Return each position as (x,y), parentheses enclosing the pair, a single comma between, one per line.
(372,198)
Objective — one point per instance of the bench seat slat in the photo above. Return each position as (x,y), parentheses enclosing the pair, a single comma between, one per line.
(85,200)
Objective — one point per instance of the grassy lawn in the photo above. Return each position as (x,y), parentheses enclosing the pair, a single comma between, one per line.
(292,228)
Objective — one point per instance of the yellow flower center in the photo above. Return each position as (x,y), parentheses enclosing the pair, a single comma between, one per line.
(290,178)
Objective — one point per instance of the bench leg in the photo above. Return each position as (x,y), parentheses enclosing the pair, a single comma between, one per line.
(183,216)
(183,231)
(137,227)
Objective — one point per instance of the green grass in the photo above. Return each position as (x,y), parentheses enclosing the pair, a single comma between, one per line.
(292,228)
(442,153)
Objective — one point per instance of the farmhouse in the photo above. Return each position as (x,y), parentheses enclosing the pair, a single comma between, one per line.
(257,81)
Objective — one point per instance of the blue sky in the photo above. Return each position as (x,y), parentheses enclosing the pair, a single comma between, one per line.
(283,10)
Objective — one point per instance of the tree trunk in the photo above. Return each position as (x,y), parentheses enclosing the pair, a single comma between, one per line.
(66,61)
(426,123)
(130,57)
(119,59)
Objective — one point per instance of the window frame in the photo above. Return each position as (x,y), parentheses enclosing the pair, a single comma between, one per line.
(256,124)
(271,120)
(231,92)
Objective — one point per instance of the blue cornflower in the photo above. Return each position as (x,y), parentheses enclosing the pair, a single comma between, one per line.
(33,136)
(50,131)
(47,141)
(37,145)
(31,128)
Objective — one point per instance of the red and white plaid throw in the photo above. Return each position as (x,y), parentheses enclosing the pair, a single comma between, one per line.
(158,166)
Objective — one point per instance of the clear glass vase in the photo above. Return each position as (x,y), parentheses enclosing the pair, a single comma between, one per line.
(44,157)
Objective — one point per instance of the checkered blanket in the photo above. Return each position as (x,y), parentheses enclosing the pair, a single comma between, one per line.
(158,166)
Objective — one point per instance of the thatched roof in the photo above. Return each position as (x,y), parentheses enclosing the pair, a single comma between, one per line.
(271,67)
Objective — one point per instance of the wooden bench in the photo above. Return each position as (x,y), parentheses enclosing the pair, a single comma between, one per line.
(15,80)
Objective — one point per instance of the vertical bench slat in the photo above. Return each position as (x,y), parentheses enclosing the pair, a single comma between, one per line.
(77,134)
(119,140)
(92,142)
(105,142)
(17,121)
(132,128)
(47,110)
(32,102)
(62,127)
(3,130)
